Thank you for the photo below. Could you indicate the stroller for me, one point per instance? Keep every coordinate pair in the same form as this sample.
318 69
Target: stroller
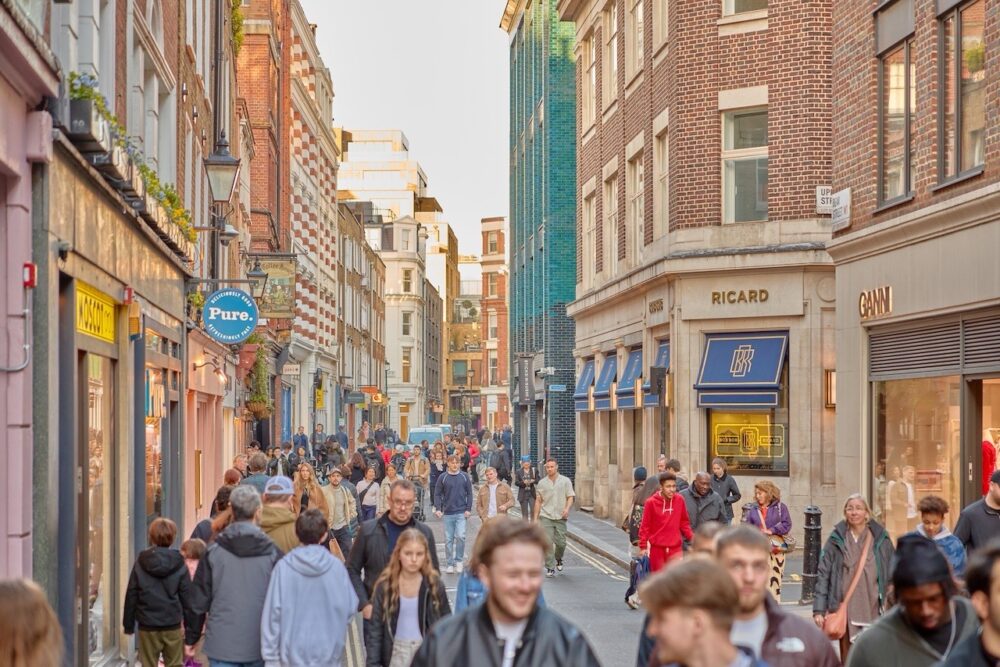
418 509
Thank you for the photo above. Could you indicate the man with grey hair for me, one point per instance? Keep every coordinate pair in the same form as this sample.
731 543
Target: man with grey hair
230 585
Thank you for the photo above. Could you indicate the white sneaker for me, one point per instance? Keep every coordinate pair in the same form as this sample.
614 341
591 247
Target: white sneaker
450 569
460 567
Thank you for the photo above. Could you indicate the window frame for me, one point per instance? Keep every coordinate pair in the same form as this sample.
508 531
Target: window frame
740 154
661 184
492 243
407 281
726 11
661 23
406 322
492 284
635 197
589 213
610 58
588 75
907 45
635 26
407 365
610 222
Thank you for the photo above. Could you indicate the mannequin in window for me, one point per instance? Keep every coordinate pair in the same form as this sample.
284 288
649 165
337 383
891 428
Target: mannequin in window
989 460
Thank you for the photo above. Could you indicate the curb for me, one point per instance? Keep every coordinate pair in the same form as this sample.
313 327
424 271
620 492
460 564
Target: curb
599 550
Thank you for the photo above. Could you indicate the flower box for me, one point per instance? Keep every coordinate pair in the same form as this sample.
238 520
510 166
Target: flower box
88 131
148 208
115 165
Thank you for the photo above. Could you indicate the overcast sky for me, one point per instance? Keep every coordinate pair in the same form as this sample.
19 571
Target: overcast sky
436 69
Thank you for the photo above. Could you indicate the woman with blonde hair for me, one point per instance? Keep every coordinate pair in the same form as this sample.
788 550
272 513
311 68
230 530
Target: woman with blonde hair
308 492
770 516
31 636
407 599
859 548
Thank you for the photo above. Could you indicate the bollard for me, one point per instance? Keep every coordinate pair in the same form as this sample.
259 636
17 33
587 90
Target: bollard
811 549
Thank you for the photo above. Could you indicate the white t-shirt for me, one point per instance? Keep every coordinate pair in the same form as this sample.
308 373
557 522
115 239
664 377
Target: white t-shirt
510 633
492 510
750 633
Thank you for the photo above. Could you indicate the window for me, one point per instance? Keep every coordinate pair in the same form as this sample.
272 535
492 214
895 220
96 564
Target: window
730 7
661 195
636 205
752 442
962 86
407 281
589 231
744 165
611 221
407 324
588 90
633 39
491 284
492 243
459 371
660 24
494 366
405 240
492 323
897 97
609 76
407 363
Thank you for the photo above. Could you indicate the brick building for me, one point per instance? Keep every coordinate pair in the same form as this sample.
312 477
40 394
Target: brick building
465 349
703 135
542 222
917 164
495 325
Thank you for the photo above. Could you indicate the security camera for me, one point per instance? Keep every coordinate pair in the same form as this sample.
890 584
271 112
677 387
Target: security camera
227 234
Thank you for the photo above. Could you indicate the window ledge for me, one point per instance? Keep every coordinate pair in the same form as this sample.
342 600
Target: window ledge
633 83
736 24
660 55
610 110
588 134
893 203
961 178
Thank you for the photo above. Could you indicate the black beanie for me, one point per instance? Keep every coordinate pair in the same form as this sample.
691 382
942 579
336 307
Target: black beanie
639 474
918 561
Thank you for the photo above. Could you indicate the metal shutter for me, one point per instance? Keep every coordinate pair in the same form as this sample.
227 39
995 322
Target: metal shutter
981 344
928 350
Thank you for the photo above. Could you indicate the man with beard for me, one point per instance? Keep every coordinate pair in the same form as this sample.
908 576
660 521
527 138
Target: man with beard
983 581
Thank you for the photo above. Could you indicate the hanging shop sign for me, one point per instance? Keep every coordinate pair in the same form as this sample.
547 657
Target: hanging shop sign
230 315
278 300
95 313
355 398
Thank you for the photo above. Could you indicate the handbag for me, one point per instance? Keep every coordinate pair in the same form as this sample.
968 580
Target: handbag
835 623
780 544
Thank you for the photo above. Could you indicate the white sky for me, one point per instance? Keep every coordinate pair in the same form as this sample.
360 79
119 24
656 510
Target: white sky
436 69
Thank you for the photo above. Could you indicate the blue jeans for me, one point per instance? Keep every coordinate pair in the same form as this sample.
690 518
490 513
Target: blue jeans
223 663
454 538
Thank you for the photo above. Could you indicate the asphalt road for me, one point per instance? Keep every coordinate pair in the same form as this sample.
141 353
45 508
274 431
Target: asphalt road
589 592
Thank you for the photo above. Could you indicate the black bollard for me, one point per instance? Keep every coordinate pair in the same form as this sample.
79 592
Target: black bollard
811 548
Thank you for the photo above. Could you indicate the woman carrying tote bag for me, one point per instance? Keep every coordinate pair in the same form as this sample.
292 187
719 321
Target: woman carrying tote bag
853 574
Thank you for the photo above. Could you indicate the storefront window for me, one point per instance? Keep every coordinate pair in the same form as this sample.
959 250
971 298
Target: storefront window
751 442
917 448
991 416
102 600
155 412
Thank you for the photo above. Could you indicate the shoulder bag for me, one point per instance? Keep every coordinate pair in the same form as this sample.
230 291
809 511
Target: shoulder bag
835 623
780 544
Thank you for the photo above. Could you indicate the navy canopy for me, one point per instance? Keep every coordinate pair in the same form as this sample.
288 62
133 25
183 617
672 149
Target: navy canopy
742 370
649 399
581 395
626 385
602 390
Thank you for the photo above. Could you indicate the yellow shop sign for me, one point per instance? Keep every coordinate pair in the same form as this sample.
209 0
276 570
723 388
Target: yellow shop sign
95 313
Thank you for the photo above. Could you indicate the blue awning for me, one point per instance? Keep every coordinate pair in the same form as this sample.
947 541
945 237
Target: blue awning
581 395
742 370
630 376
649 399
602 390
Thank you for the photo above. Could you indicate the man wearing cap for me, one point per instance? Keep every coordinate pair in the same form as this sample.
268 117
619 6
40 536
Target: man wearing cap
525 479
277 519
979 523
929 620
342 507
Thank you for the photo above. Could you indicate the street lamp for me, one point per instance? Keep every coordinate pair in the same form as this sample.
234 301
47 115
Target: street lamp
222 169
257 279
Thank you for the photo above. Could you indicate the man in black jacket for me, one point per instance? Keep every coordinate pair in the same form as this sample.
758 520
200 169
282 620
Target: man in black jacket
509 626
983 649
377 538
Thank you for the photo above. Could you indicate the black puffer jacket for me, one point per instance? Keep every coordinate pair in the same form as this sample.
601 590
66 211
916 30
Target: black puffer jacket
468 638
158 596
380 631
370 553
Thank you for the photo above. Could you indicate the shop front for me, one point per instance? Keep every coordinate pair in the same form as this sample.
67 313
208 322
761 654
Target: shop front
206 456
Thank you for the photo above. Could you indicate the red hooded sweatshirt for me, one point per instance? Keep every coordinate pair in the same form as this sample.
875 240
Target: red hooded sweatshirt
663 522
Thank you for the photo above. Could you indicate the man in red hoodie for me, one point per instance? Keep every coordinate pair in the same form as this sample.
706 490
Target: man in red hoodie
664 521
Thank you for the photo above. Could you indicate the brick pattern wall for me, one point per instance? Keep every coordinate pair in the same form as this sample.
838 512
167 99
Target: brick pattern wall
855 117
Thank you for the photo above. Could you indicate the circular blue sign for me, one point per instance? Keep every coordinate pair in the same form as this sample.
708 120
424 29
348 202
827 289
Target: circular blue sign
230 315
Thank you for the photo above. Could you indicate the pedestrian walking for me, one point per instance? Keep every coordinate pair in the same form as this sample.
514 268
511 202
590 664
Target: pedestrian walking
725 486
408 598
158 598
494 497
376 539
853 575
342 510
300 439
309 602
318 438
342 441
703 503
705 538
230 586
502 461
692 609
308 493
674 466
979 523
553 501
418 468
358 467
240 463
526 480
778 637
277 516
929 620
665 524
510 624
369 491
203 529
193 550
391 475
31 634
280 465
631 523
439 465
453 502
258 472
983 581
933 510
770 516
652 484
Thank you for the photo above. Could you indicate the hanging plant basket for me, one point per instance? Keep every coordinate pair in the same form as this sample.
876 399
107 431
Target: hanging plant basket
259 409
87 129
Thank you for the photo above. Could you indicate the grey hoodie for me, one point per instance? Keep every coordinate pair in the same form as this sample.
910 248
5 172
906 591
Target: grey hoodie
310 601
